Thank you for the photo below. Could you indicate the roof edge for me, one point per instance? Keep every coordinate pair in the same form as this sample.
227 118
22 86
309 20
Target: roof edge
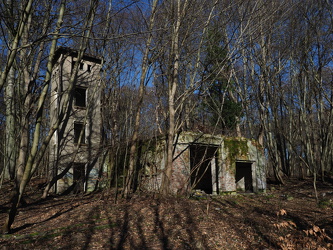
74 53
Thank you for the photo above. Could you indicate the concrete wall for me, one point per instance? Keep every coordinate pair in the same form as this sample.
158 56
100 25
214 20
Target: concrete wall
63 150
229 152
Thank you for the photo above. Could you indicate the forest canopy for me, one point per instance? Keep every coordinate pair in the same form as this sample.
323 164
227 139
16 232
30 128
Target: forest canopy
258 69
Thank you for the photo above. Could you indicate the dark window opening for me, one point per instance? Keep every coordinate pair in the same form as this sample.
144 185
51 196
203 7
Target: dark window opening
244 176
89 68
78 129
80 97
81 66
201 168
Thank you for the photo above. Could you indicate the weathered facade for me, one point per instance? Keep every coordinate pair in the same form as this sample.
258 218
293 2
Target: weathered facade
213 164
75 145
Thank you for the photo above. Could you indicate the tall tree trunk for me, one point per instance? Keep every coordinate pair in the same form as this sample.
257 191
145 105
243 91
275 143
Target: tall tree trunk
25 106
28 166
15 44
65 107
172 87
26 92
129 182
10 145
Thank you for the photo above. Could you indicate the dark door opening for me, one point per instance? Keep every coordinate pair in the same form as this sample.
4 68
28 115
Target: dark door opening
201 168
78 177
244 176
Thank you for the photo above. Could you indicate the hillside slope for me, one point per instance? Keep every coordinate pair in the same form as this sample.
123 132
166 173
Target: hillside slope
285 217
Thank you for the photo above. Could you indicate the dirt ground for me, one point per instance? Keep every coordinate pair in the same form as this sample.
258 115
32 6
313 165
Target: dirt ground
285 217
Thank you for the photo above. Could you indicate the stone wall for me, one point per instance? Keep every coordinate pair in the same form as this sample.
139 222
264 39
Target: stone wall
64 151
231 152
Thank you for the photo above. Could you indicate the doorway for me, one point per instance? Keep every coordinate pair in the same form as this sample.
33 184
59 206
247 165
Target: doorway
244 176
204 168
78 177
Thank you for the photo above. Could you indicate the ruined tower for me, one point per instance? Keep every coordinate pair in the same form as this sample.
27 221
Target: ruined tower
75 145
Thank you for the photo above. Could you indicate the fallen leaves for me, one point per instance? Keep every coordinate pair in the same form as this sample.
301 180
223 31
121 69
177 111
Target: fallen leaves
317 232
281 212
148 222
285 224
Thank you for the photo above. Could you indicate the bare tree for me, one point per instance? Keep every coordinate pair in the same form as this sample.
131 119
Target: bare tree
24 175
38 147
143 81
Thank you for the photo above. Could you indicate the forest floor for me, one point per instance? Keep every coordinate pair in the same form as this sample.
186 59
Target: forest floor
285 217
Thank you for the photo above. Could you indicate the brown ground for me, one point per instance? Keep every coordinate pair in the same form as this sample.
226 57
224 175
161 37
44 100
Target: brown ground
285 217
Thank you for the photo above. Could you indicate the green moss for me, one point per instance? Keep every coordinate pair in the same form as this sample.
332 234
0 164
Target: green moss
235 148
147 146
154 145
325 203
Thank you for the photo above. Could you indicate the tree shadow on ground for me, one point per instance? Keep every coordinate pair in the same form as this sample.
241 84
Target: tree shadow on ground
57 214
147 222
132 229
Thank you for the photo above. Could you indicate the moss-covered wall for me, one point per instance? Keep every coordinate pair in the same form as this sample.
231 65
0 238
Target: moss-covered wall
230 150
236 148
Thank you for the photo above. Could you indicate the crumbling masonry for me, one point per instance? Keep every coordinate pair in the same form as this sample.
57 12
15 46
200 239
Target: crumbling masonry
213 164
74 146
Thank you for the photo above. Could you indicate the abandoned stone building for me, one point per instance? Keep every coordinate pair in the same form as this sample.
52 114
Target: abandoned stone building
210 163
73 149
213 164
